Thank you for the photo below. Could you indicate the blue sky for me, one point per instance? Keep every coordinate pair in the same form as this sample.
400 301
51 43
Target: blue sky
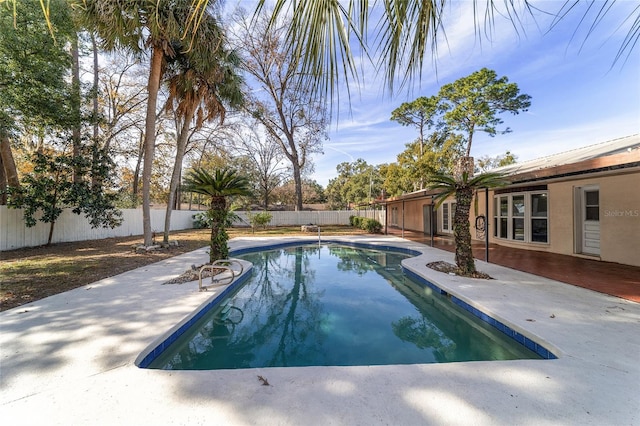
579 96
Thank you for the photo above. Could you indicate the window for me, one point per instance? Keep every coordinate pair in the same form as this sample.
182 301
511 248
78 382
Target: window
517 217
592 205
521 217
539 219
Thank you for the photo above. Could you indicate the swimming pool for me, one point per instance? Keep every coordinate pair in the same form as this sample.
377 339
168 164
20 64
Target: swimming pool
311 305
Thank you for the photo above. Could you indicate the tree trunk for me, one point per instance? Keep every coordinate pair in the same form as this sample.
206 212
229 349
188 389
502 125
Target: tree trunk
464 164
462 231
177 169
265 201
54 203
3 184
149 141
136 172
96 74
8 163
297 178
76 133
95 180
218 247
50 238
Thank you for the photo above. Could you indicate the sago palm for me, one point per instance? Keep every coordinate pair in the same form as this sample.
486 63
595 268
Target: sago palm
219 185
463 189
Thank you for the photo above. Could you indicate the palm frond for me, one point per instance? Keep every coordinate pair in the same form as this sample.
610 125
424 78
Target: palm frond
488 180
320 36
444 184
407 30
223 182
447 185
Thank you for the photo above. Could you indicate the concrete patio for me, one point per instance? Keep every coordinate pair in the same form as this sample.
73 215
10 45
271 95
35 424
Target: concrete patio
69 359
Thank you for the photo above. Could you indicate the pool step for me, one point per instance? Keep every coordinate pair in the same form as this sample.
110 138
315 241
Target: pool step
224 312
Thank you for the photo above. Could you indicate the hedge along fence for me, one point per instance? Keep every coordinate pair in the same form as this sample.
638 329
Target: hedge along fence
320 217
14 234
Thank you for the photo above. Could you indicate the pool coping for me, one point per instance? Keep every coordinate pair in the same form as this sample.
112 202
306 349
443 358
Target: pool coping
69 359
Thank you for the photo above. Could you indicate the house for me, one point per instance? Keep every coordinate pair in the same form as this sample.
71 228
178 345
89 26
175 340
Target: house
584 202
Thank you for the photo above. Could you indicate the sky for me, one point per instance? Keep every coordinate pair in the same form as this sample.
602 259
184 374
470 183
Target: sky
579 95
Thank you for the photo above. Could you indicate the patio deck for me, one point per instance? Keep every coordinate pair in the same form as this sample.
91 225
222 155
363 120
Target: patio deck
604 277
69 359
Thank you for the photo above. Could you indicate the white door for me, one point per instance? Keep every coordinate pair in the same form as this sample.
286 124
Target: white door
591 220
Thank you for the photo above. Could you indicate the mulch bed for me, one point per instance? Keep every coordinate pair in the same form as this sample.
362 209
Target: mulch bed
451 269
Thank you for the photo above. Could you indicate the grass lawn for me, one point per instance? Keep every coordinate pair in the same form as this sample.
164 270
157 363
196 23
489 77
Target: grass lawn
34 273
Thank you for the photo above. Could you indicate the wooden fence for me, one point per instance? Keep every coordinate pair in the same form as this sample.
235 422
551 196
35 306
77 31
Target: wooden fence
14 234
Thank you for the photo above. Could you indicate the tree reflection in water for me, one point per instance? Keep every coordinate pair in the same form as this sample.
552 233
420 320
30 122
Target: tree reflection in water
332 305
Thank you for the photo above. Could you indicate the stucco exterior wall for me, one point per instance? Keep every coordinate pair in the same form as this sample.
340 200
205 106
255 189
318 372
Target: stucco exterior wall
619 217
413 220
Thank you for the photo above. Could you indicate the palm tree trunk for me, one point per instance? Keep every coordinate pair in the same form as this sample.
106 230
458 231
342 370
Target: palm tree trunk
462 232
177 169
149 141
218 247
136 172
464 165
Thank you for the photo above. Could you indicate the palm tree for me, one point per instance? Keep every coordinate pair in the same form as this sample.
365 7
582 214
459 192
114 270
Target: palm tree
157 26
463 189
221 184
200 83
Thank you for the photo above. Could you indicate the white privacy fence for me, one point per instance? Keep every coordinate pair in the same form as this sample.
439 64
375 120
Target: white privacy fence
14 233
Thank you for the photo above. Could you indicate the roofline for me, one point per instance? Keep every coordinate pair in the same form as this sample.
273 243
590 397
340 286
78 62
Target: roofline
619 161
627 162
410 196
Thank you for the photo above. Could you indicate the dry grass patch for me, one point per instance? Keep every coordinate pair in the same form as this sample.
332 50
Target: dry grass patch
31 274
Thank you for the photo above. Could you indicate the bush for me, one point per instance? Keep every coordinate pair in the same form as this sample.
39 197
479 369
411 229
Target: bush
356 221
372 226
261 219
201 221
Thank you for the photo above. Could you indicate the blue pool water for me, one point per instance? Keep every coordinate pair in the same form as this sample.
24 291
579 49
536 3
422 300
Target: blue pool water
334 305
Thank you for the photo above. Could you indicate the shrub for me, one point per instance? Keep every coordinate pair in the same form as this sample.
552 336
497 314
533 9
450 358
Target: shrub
201 220
372 226
261 219
356 221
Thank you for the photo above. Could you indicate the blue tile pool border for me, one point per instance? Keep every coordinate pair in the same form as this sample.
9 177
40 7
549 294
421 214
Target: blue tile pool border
510 332
159 349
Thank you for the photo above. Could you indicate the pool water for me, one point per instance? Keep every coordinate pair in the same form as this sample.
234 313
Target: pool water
334 305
